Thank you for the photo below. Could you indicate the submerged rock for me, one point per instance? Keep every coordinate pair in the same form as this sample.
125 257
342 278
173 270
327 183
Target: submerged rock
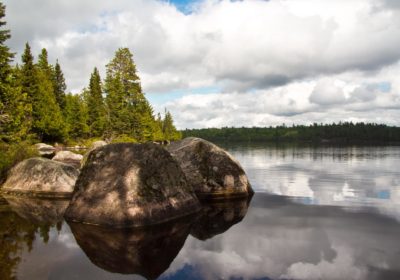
147 251
129 185
212 171
41 177
38 211
217 217
69 158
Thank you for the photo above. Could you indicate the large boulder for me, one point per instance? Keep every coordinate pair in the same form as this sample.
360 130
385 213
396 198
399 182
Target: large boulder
129 185
69 158
41 177
212 171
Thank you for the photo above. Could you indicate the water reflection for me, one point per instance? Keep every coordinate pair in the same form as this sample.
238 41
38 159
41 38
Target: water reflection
281 239
343 176
38 211
218 216
148 251
332 214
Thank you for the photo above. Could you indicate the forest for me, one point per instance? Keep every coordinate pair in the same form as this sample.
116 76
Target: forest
35 107
341 133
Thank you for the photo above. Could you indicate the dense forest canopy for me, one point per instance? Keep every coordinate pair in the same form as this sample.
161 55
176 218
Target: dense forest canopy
347 132
35 106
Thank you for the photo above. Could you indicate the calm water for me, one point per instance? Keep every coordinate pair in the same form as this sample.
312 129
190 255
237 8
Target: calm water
318 213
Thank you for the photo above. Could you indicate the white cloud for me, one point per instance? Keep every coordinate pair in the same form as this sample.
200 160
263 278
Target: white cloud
264 55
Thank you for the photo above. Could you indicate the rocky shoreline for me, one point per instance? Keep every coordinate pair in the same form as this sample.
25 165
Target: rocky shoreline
128 185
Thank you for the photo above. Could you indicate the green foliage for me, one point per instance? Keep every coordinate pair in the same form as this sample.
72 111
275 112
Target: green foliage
59 86
11 154
96 106
128 110
168 128
76 116
34 105
123 138
317 133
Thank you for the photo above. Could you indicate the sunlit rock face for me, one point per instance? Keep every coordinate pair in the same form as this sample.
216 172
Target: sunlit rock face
129 185
41 177
38 211
146 251
69 158
211 171
217 217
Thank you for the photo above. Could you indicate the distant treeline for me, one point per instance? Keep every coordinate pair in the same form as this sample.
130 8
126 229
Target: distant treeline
346 132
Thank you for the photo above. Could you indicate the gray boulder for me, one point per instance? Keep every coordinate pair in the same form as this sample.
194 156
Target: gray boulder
210 170
69 158
129 185
41 177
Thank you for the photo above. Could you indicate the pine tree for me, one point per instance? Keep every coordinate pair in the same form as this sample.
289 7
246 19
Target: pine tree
169 130
13 105
128 110
95 104
59 86
76 116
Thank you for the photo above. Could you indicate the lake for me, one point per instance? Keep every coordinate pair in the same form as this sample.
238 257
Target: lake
318 213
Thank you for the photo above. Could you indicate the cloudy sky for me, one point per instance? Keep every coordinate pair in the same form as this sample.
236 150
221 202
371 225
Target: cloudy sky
216 63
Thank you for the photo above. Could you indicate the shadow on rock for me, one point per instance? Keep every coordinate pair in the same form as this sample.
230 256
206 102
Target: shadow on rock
147 251
38 211
217 217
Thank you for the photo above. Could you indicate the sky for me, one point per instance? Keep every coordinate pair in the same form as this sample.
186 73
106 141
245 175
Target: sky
216 63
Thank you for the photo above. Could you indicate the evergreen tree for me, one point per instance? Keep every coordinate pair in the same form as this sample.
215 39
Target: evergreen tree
59 86
169 130
95 104
128 110
13 105
76 116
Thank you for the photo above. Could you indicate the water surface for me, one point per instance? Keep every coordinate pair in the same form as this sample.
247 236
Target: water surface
318 213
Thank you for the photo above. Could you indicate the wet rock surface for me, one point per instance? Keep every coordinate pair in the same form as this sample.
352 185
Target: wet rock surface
212 171
38 211
147 251
68 157
41 177
216 217
130 185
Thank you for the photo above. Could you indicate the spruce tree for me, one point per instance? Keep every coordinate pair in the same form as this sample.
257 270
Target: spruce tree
76 116
169 130
13 105
96 107
127 108
59 86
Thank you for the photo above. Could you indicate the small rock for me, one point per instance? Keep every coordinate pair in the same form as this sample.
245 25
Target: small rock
45 150
69 158
41 177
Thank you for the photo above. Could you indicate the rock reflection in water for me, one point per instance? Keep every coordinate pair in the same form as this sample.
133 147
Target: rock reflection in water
146 251
217 217
38 211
